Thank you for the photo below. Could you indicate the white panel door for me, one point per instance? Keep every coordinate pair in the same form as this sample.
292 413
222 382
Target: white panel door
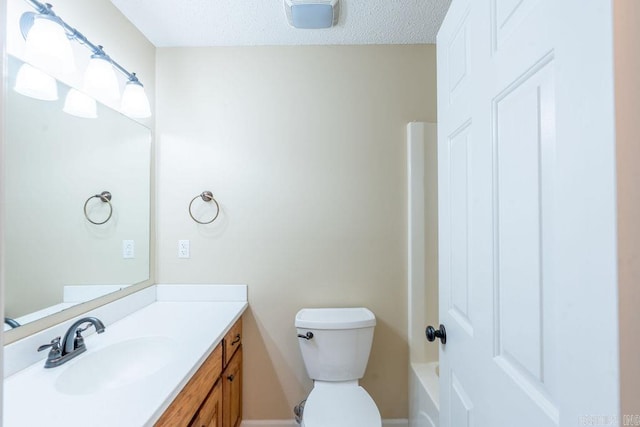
526 174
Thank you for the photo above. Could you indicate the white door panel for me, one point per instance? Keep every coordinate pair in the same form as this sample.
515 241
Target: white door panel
527 213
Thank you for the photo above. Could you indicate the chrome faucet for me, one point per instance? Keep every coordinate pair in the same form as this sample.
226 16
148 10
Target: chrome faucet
72 344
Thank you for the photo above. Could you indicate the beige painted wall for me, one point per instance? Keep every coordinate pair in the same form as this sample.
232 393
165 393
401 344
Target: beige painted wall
304 148
627 92
102 23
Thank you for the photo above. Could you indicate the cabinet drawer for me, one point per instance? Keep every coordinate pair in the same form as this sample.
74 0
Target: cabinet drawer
185 405
232 341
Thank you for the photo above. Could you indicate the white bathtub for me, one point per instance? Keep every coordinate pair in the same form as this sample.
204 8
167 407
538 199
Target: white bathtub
424 404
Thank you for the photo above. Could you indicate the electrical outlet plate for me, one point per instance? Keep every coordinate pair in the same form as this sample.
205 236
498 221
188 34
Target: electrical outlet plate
183 249
128 249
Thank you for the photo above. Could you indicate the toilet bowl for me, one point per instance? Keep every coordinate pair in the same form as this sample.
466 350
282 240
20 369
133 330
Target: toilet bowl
335 344
340 405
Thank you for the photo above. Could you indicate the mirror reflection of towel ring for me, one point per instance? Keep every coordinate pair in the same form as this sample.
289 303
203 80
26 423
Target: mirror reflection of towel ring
207 196
105 197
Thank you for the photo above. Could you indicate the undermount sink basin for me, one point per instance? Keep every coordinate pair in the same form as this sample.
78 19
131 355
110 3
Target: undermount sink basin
116 365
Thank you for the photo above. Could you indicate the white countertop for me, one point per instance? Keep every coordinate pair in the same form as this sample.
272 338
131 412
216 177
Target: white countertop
31 397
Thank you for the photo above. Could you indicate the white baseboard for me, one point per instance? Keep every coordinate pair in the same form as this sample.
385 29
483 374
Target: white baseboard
292 423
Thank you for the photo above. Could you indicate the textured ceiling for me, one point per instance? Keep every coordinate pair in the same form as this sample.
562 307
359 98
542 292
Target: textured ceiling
263 22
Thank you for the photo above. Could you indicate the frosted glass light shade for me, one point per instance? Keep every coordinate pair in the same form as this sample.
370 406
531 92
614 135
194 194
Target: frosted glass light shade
80 105
100 80
312 14
47 46
135 102
36 84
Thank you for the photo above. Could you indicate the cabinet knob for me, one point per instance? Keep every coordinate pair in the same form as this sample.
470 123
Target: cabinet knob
230 377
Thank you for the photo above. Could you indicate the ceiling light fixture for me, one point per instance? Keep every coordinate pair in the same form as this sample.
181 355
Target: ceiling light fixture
311 14
44 25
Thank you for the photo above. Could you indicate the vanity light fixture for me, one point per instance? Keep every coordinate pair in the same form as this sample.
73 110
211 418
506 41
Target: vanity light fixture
100 80
80 105
44 25
134 101
35 83
46 43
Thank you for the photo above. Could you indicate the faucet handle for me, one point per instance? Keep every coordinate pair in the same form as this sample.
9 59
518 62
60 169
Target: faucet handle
78 341
83 329
55 346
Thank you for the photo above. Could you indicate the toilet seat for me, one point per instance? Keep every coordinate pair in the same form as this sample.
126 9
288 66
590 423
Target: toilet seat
340 405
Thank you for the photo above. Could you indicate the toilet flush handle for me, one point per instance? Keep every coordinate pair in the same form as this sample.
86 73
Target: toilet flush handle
306 336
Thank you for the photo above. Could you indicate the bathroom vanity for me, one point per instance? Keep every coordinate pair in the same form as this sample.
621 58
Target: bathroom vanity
171 355
213 396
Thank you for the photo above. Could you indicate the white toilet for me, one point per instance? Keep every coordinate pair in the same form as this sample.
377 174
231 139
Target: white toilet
335 345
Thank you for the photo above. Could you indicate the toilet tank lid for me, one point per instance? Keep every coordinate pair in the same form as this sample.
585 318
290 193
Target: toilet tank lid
335 318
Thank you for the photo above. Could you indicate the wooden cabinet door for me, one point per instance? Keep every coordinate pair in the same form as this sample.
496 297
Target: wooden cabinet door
210 413
186 404
232 391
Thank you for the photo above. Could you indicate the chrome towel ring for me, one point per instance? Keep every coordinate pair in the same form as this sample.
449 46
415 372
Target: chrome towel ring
206 196
105 197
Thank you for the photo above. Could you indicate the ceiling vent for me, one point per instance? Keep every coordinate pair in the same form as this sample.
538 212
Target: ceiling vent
312 14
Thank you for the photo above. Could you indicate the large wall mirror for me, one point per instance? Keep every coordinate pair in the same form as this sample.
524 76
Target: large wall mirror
64 243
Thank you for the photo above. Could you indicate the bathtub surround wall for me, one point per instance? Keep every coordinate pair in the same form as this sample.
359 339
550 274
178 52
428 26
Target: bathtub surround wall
422 284
102 23
424 395
304 149
422 238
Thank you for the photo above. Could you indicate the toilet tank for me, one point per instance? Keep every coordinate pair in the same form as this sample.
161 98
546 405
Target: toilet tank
341 343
